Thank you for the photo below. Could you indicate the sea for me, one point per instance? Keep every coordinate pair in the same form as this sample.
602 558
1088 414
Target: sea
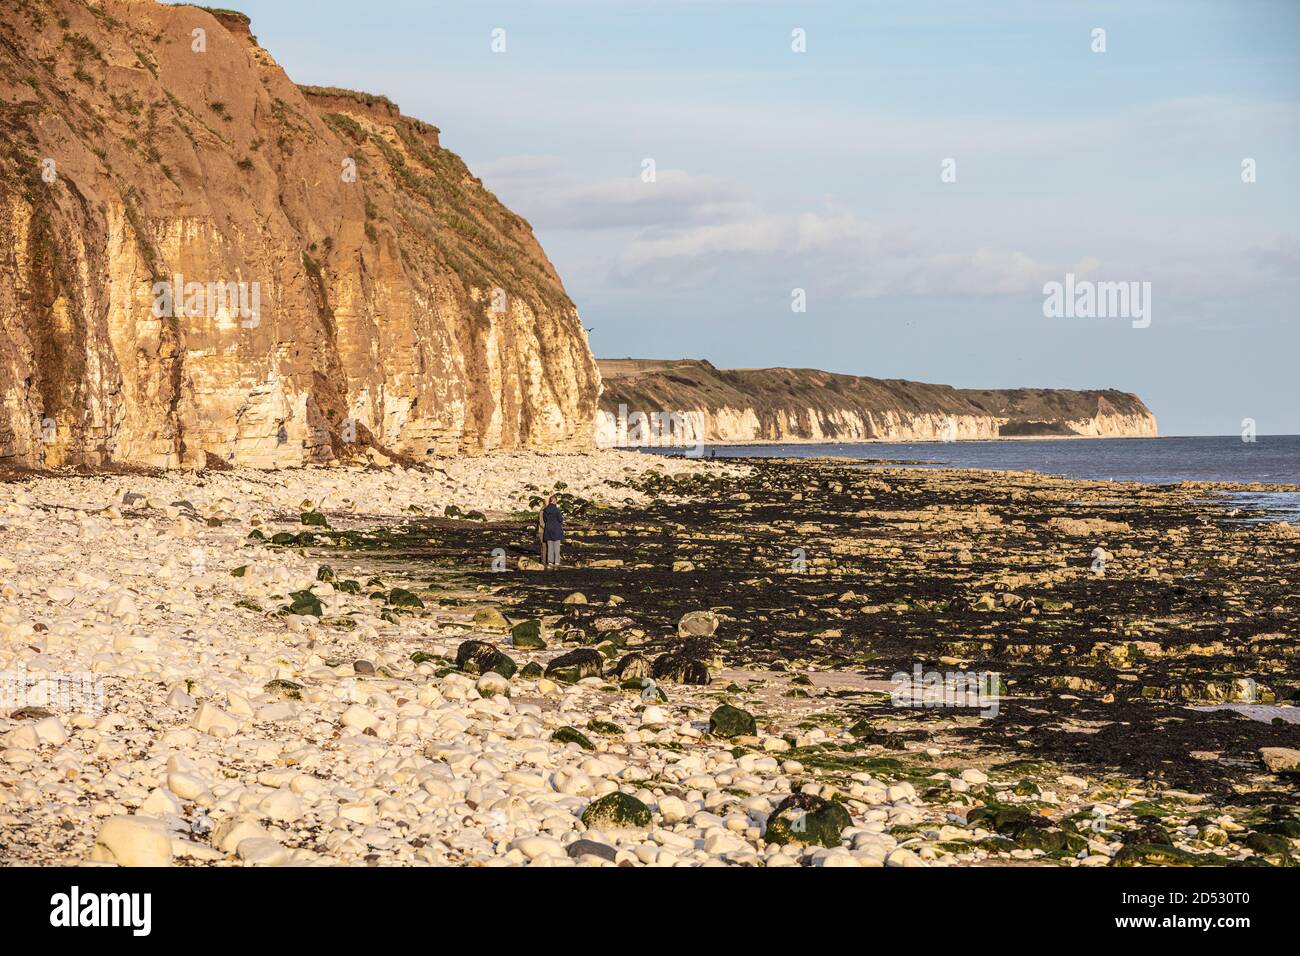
1269 459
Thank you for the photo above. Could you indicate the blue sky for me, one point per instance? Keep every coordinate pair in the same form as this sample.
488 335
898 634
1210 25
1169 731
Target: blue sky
820 170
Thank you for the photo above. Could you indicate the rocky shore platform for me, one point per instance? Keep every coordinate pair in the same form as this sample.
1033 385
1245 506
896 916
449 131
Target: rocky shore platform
763 663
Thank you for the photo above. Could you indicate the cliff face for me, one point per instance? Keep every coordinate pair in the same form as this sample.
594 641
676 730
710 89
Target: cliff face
203 260
697 402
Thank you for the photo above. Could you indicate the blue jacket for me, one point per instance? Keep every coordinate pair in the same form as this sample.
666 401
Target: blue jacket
553 523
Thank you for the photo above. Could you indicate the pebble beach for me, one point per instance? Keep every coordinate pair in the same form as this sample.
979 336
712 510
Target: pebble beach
194 677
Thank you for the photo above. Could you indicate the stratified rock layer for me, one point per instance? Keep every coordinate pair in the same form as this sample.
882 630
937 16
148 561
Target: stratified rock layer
400 306
698 402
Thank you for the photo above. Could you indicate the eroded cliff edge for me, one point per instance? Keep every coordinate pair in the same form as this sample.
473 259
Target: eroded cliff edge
400 305
794 405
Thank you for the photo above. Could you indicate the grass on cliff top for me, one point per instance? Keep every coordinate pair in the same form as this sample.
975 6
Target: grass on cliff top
365 99
218 11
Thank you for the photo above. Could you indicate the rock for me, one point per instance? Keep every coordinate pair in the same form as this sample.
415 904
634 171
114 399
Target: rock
1270 845
491 684
479 657
680 668
903 857
571 735
262 851
287 689
697 624
683 566
180 700
185 785
1278 759
528 634
538 847
359 718
616 811
672 809
30 713
807 820
575 665
490 619
581 848
161 803
230 832
653 717
728 721
577 597
211 719
133 841
124 609
1153 854
283 806
400 597
632 667
50 732
358 811
363 668
304 604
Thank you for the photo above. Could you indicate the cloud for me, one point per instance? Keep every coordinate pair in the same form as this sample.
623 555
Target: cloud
1281 260
552 198
834 249
699 244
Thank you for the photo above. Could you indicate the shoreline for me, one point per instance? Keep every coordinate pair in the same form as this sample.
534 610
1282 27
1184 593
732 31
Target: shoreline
763 442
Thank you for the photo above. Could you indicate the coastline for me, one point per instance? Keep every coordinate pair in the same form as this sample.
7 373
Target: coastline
746 443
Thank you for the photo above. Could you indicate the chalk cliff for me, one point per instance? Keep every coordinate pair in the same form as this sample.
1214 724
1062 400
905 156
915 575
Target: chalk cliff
202 262
697 402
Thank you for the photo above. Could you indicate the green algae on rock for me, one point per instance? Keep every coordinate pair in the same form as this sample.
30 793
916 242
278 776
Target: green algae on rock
528 634
616 811
575 665
807 820
728 721
479 657
571 735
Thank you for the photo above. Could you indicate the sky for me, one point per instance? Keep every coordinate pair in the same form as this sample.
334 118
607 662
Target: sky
920 170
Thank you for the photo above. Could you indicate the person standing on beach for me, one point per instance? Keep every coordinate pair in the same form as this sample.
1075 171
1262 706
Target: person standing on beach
552 532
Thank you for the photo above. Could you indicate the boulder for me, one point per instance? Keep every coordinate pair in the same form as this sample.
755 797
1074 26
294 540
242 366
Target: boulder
616 811
133 841
698 624
575 665
479 657
528 634
807 820
680 668
1278 759
633 666
490 619
728 721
